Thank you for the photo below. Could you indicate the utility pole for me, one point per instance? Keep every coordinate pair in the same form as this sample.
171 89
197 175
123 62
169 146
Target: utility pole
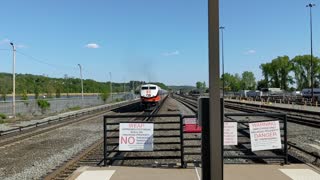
311 50
13 81
81 81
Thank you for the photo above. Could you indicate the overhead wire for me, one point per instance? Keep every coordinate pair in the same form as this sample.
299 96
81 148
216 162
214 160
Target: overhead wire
57 67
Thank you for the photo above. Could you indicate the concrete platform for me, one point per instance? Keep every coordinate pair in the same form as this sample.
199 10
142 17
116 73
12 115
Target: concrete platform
271 172
231 172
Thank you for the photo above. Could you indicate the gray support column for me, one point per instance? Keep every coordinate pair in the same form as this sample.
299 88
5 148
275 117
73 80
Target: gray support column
216 146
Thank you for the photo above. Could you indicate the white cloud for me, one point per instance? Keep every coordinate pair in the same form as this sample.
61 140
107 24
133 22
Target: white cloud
92 46
173 53
251 51
21 46
5 41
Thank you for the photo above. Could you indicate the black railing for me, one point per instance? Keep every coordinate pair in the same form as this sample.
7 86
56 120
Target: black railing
111 135
166 126
243 133
282 118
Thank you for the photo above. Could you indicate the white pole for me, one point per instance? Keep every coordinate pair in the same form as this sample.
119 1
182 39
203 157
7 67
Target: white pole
81 81
13 81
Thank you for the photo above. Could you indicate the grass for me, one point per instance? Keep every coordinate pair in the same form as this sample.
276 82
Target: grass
118 100
75 108
3 116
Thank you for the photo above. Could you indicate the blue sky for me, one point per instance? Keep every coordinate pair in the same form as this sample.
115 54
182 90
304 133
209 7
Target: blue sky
150 40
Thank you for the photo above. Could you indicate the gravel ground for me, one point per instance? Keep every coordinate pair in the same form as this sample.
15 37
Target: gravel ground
296 133
33 158
169 107
307 138
172 106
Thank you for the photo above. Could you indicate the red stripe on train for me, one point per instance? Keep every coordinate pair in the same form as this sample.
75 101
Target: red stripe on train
153 99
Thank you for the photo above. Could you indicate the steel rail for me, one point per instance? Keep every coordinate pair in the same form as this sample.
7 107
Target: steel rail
70 166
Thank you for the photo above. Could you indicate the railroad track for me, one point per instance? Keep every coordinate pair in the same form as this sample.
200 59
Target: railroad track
191 104
88 157
292 118
299 101
304 119
235 153
15 137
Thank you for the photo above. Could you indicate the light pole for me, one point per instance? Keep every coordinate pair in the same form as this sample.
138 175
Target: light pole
222 59
13 81
311 50
111 85
81 81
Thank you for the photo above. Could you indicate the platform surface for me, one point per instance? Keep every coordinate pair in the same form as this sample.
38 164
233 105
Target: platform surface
231 172
282 105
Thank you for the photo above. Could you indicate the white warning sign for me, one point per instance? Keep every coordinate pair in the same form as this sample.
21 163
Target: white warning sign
265 135
190 121
136 137
230 136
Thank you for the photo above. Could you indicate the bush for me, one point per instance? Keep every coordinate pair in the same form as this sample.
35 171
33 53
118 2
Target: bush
24 97
118 100
43 104
74 108
3 116
104 96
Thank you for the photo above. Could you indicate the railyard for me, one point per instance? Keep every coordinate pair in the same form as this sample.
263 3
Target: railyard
56 150
110 90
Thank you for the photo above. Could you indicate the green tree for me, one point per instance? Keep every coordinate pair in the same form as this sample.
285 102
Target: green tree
281 67
5 88
277 72
231 82
204 86
301 66
43 105
24 95
199 85
40 84
262 84
104 96
267 73
248 81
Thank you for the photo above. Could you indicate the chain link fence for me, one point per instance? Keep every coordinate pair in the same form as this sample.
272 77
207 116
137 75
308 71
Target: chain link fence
30 107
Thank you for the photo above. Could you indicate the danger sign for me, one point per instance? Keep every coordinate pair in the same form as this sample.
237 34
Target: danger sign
136 137
265 135
230 136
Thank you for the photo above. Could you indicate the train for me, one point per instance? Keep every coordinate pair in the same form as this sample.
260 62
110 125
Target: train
151 96
306 93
